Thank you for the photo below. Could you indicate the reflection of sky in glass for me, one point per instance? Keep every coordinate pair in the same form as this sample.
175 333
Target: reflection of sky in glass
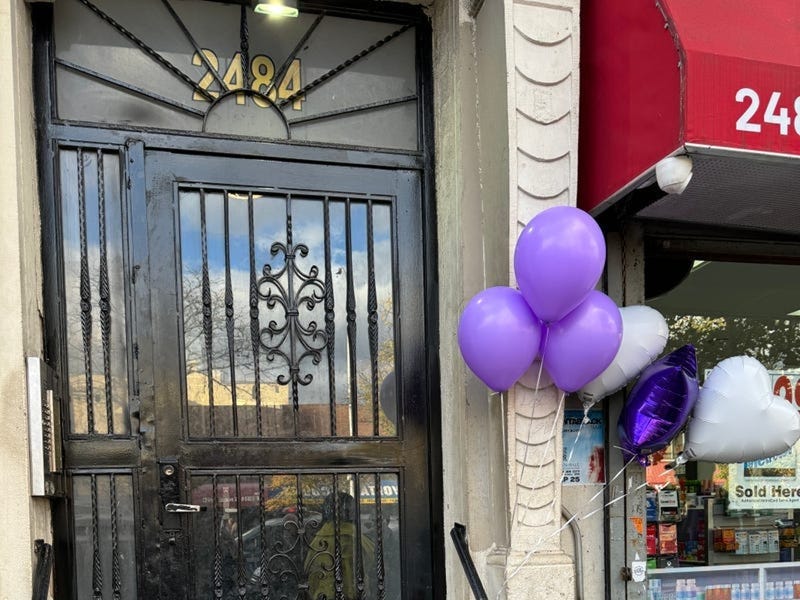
270 226
106 378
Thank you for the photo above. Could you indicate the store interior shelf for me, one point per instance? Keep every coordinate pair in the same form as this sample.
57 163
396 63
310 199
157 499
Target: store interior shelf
664 583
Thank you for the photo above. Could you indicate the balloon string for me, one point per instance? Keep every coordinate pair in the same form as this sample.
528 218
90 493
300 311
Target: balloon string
530 428
576 516
540 468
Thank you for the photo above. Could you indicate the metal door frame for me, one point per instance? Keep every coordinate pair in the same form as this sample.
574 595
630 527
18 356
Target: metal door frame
317 454
51 133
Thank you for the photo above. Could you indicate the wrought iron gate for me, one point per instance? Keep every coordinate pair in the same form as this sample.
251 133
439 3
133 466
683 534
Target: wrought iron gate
241 333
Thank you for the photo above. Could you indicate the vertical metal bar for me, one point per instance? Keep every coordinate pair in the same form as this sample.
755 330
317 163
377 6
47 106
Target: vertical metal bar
380 572
240 573
372 311
337 543
301 520
358 559
97 566
207 331
191 566
625 285
229 313
330 317
262 529
44 566
631 266
351 323
135 252
255 335
217 550
105 293
86 294
116 579
244 39
291 315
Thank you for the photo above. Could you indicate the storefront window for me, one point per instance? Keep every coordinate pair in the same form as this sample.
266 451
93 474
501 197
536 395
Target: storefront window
705 520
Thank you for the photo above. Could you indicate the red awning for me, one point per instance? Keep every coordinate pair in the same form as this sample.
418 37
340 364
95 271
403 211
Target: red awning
716 79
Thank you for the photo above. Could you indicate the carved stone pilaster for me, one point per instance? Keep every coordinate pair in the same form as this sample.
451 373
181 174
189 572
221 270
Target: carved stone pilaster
543 46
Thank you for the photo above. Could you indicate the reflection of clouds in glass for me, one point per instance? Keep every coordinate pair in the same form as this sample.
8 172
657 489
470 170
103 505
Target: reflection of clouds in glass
318 391
107 343
308 229
269 222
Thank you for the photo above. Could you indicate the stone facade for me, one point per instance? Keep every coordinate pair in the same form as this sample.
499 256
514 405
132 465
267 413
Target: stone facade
506 149
506 97
23 519
544 48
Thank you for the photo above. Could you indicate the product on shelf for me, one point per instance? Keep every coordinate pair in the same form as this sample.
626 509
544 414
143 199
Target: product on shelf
667 538
668 508
652 539
651 505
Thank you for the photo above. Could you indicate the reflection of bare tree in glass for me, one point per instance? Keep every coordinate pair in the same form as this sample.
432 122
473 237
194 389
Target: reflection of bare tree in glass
96 342
387 415
194 333
231 388
773 342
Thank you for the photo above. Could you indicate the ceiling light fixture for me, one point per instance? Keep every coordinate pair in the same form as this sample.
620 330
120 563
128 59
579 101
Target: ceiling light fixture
277 8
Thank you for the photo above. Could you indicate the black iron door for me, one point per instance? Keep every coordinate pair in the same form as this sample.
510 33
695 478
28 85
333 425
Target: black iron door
284 427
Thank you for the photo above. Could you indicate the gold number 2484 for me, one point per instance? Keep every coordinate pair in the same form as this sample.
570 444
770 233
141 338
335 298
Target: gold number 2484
262 70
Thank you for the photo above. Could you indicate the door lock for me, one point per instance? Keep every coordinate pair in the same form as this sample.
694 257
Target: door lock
173 507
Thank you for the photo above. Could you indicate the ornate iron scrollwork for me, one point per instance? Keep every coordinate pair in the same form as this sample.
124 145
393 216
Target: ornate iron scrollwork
288 337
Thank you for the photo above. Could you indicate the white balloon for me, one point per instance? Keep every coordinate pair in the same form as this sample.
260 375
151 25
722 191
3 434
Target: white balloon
644 337
737 418
536 377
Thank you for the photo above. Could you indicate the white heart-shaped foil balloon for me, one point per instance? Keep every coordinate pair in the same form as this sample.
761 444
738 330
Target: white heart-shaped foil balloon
737 418
644 337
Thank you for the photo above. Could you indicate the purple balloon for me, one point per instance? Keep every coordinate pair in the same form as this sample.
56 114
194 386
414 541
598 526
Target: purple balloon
580 346
558 260
499 336
659 404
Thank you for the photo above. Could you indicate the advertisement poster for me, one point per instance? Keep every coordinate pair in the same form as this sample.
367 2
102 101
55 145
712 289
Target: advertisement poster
584 452
772 482
765 484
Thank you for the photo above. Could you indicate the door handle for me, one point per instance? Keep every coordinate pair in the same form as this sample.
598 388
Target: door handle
173 507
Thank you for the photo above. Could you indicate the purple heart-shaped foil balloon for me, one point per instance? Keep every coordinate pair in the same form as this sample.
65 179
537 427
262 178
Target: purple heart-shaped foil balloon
659 404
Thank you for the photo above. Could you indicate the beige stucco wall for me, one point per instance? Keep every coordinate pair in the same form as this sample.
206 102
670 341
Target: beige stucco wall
470 83
22 518
506 110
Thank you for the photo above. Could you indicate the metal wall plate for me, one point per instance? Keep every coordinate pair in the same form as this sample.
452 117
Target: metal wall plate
44 429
